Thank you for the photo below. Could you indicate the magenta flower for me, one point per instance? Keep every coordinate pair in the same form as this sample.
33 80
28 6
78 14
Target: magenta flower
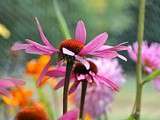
71 115
150 58
93 76
6 83
98 98
74 47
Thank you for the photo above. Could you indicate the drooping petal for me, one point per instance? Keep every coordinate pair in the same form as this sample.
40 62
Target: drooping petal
108 53
19 46
119 47
80 33
33 50
59 84
107 82
10 82
105 54
41 47
74 87
58 72
96 43
42 35
43 73
71 115
4 92
6 83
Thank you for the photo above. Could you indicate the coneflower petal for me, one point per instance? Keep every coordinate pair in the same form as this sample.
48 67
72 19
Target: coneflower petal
96 43
80 32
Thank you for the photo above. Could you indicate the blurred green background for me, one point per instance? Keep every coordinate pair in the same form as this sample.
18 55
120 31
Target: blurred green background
117 17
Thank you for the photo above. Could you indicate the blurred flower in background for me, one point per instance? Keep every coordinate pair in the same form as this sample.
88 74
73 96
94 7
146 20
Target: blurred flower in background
150 58
6 84
35 111
4 32
20 97
34 68
99 98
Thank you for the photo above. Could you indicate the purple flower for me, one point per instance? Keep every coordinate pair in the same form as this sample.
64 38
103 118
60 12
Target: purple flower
150 58
99 98
6 83
71 115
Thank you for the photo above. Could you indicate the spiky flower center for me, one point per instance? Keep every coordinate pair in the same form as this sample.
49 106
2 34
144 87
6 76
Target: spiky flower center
72 45
81 69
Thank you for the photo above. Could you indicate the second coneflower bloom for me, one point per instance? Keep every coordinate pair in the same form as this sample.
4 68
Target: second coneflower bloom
80 73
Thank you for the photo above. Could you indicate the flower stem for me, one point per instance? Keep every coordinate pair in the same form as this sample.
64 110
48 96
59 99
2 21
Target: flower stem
83 95
61 20
151 76
45 102
66 84
140 35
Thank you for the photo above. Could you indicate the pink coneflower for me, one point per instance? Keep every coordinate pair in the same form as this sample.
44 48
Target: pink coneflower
80 73
98 98
150 58
7 83
70 115
74 47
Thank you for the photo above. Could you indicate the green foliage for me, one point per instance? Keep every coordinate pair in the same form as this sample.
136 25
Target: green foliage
99 15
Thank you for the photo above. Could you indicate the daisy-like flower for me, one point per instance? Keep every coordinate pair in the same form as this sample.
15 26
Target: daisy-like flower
33 112
7 83
98 98
70 115
93 75
150 58
74 47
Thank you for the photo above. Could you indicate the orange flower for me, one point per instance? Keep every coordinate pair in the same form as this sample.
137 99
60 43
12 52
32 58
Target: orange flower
32 112
20 97
71 98
35 67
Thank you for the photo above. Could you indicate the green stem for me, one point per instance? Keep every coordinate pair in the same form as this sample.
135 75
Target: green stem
106 116
5 112
46 103
140 35
56 103
83 95
61 20
66 84
151 76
